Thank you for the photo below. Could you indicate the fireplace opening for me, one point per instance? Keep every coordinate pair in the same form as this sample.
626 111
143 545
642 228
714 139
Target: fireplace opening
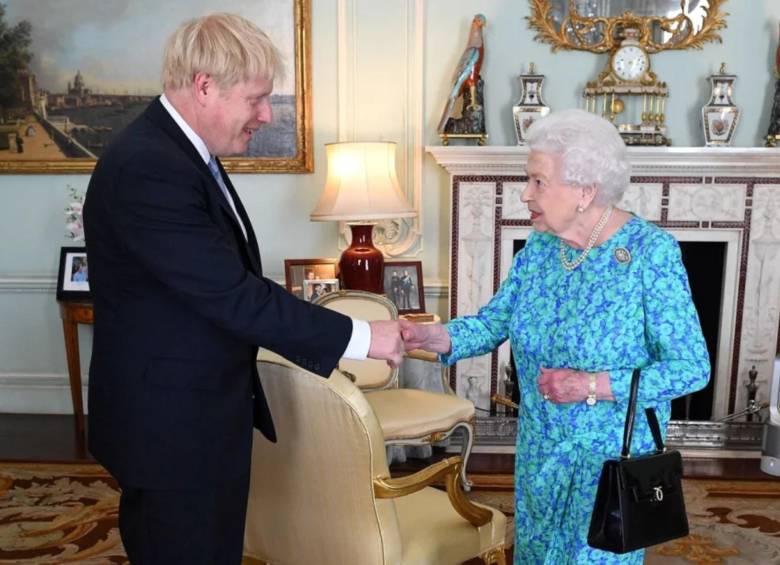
704 261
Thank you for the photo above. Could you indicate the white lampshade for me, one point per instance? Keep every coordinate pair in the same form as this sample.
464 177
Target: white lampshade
362 184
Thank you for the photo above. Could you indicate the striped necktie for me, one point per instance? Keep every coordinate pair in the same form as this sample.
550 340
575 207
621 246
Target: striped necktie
215 172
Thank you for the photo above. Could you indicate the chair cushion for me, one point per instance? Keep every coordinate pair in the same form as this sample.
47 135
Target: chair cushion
433 532
412 413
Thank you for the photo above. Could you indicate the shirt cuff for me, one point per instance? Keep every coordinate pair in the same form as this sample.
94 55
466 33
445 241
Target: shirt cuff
359 343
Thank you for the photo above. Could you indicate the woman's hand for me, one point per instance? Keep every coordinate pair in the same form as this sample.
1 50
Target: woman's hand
429 337
569 385
563 385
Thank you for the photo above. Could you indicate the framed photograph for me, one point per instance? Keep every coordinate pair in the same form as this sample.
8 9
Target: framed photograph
83 70
296 271
315 288
404 286
73 274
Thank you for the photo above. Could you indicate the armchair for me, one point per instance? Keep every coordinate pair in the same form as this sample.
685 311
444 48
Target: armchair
407 416
323 493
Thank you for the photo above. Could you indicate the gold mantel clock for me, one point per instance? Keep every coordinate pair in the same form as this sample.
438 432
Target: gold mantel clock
627 91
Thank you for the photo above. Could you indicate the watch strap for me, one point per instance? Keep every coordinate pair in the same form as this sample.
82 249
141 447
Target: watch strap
591 399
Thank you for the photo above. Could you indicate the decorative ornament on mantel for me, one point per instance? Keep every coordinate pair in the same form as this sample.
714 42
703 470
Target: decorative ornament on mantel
530 107
720 115
467 92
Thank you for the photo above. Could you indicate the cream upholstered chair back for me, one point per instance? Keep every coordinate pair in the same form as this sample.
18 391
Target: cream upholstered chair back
311 497
370 374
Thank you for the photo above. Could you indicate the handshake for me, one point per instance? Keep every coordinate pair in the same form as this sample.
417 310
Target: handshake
390 340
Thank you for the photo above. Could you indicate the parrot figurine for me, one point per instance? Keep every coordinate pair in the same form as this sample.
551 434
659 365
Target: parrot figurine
467 72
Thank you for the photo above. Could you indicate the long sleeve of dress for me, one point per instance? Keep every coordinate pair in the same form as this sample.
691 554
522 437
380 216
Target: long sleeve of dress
489 327
679 362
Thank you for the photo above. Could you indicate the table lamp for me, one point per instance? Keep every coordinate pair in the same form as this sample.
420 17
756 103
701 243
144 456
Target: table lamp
361 188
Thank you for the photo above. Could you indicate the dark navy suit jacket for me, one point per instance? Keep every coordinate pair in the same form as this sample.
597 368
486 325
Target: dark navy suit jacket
181 306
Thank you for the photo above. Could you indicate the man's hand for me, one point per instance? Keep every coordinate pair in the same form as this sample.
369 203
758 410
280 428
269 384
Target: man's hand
386 342
429 337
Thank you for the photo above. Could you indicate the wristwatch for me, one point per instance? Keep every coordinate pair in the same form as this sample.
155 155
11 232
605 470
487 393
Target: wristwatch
591 400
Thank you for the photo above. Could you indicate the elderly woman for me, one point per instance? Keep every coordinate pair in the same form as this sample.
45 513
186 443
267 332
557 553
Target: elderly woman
595 293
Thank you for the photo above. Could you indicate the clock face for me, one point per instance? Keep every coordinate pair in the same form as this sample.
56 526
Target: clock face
629 63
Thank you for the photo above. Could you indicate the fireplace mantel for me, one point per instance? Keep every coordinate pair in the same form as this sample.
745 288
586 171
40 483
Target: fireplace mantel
510 160
729 195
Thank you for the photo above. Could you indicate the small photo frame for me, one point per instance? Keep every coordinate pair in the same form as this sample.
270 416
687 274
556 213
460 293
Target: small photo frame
296 271
317 288
404 286
73 274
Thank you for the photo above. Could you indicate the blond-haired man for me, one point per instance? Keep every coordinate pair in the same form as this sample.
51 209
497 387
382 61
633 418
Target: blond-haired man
181 304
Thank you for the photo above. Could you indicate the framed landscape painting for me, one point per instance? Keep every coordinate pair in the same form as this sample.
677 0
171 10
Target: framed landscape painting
78 72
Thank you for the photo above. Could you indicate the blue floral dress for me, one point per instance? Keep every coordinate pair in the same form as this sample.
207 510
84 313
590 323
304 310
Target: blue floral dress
627 305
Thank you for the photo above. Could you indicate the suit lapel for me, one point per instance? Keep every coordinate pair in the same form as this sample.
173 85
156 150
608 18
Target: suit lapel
251 240
157 114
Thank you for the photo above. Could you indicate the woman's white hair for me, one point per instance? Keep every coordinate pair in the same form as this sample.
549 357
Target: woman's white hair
591 150
228 47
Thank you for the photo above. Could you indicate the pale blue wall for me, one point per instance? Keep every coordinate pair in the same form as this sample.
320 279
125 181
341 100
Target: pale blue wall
748 50
31 229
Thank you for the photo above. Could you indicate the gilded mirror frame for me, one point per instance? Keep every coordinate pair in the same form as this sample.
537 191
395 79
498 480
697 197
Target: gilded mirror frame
574 28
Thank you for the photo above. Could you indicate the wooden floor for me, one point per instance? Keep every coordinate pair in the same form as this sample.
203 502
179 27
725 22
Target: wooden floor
35 437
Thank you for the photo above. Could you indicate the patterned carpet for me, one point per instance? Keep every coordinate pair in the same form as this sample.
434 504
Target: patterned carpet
66 513
58 513
731 522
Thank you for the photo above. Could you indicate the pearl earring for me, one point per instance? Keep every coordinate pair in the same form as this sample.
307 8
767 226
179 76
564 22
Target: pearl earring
580 209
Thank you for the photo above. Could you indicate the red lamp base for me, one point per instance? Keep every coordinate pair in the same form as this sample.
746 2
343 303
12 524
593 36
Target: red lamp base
362 265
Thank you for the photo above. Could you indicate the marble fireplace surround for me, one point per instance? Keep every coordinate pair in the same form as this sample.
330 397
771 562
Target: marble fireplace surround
729 195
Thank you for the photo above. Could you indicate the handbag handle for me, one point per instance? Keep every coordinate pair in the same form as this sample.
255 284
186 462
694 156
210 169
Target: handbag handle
628 428
655 429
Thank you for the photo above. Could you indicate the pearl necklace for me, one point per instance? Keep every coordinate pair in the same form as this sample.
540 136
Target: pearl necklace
594 235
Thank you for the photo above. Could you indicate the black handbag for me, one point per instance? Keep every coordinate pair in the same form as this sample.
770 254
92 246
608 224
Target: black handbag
639 501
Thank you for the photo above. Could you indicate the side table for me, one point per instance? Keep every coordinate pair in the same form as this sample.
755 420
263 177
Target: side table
72 314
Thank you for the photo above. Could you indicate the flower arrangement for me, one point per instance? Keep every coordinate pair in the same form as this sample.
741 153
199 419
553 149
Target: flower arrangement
73 222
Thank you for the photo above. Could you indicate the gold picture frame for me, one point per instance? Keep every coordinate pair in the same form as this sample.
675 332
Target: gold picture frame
18 132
